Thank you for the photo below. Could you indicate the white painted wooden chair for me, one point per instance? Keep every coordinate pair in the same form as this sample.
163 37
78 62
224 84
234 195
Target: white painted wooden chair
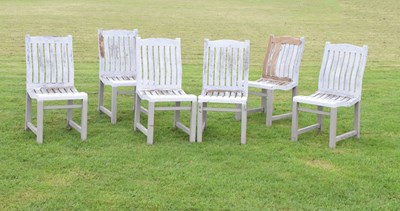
340 84
225 80
280 72
159 71
50 77
117 66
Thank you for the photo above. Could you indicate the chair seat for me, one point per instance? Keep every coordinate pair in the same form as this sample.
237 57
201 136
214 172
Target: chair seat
165 95
118 80
56 93
273 83
223 96
327 100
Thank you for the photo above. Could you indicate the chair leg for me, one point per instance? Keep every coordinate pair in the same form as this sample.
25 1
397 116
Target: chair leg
84 119
204 116
137 111
69 113
192 136
295 121
134 97
270 107
150 123
264 100
200 122
28 111
114 105
237 114
39 134
177 114
357 117
320 119
101 95
244 123
332 128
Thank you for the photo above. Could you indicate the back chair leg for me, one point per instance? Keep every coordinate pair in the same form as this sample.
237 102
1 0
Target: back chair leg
114 105
84 119
205 116
39 134
137 111
264 100
295 117
150 123
177 114
200 122
332 128
270 107
101 95
320 119
357 116
69 113
244 123
28 111
193 110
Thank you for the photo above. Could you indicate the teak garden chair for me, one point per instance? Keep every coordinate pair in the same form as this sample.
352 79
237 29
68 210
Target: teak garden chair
159 71
340 84
50 77
280 72
225 80
117 66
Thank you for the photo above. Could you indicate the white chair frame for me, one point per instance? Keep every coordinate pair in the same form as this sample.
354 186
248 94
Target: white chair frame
117 66
50 77
159 71
340 85
225 80
280 72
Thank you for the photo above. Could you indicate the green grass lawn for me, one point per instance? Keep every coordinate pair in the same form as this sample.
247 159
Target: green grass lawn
115 169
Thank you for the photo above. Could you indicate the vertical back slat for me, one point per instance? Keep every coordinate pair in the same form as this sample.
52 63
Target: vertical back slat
35 62
113 51
41 62
217 67
70 62
173 66
122 54
223 68
354 73
65 62
211 67
240 69
145 78
229 67
234 67
47 58
349 70
205 63
339 69
156 66
150 58
168 65
59 63
127 55
53 66
162 65
117 55
28 55
344 71
107 65
178 64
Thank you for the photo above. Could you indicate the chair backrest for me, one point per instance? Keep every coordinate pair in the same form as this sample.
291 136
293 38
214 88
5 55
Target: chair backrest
117 52
158 63
49 61
342 69
226 65
283 58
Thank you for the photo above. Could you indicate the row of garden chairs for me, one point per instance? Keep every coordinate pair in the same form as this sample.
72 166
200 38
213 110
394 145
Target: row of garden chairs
153 66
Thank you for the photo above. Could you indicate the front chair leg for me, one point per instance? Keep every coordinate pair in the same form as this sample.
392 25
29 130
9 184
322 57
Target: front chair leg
138 106
39 134
295 118
177 114
84 119
193 110
200 122
332 128
150 123
69 113
357 117
114 96
244 123
28 111
320 118
270 107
